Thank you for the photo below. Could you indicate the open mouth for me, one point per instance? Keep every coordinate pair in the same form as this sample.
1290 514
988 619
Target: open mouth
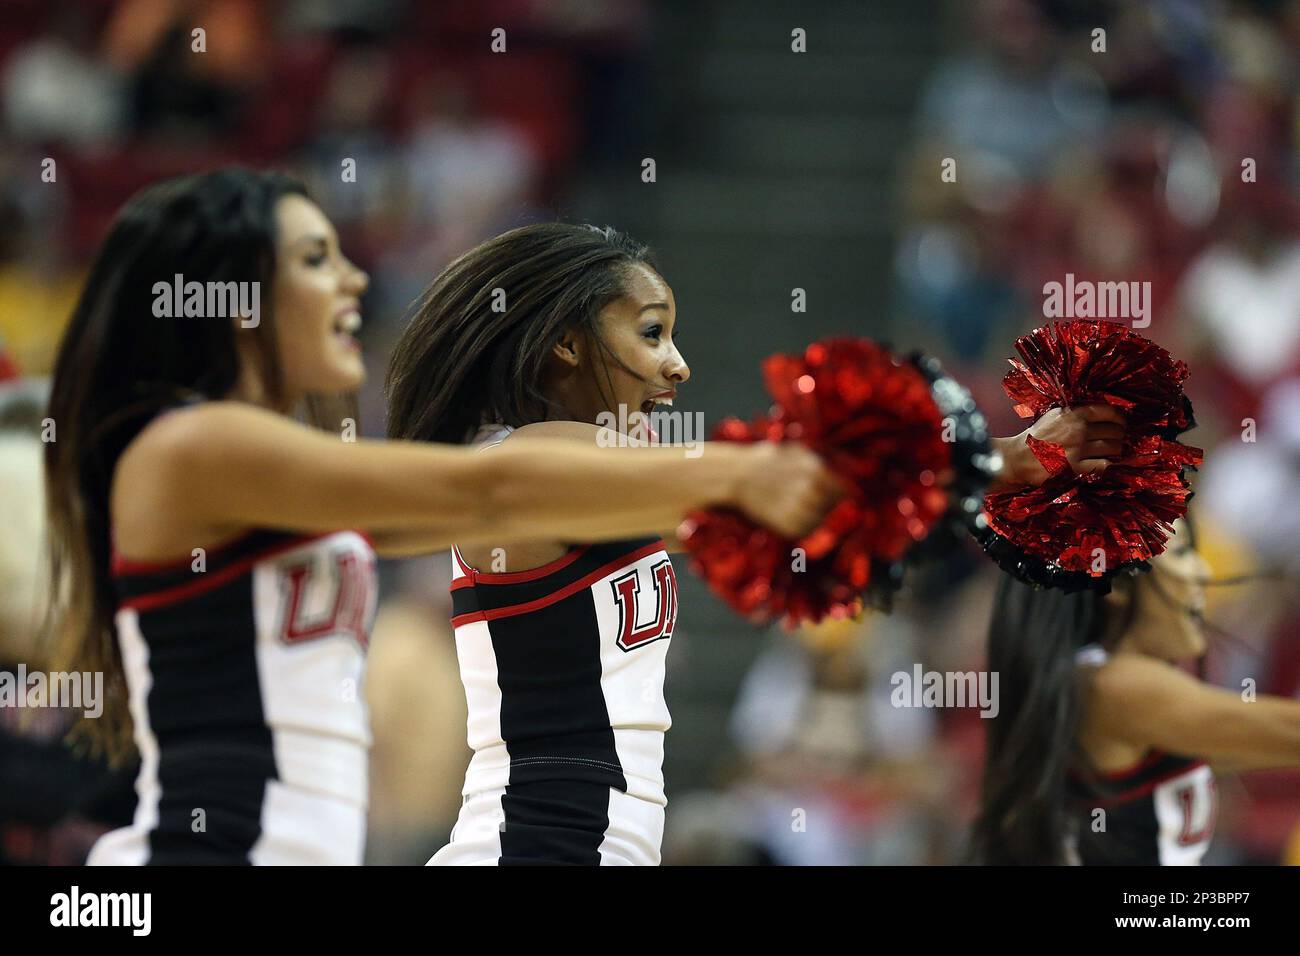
346 326
649 404
647 409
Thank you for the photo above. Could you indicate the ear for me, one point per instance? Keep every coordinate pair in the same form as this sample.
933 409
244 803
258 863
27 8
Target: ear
568 350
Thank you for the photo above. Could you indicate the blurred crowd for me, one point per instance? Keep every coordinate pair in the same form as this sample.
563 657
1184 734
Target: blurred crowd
1162 149
415 134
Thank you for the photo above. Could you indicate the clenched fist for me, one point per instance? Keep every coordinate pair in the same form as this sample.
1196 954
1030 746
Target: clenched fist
1092 435
787 488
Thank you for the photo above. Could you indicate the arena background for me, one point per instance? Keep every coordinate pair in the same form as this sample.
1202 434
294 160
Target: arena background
774 170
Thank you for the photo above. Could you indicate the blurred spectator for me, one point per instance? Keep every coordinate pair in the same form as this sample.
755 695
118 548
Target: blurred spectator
349 130
1241 297
38 285
56 90
1011 102
468 172
187 83
1253 487
53 804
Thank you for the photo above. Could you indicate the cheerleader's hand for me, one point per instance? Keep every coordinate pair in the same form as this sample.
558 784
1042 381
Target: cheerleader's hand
787 488
1092 436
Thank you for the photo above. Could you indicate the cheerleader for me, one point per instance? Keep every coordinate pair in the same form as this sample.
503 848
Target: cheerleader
1102 748
214 558
552 331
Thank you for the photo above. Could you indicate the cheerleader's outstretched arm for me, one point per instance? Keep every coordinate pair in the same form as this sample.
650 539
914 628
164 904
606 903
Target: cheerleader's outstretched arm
1150 703
220 467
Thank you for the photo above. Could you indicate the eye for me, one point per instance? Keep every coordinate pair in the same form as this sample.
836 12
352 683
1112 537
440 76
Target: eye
315 258
654 332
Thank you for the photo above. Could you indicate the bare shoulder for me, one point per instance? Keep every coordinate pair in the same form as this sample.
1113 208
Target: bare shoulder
150 498
525 555
1127 694
204 425
1128 676
582 431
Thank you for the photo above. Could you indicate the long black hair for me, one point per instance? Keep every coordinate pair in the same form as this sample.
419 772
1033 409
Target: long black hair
1032 743
119 365
477 346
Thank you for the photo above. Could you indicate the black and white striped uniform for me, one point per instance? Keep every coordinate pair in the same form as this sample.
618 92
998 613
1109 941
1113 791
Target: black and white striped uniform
563 668
1159 812
245 678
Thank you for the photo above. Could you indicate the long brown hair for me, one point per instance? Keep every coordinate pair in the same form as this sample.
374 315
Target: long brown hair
1031 745
464 360
119 365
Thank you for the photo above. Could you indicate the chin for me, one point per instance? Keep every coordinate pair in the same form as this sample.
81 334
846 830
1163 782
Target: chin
355 381
336 383
347 376
1191 647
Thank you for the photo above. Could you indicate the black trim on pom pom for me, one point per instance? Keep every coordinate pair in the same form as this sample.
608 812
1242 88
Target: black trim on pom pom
1042 574
1172 432
974 463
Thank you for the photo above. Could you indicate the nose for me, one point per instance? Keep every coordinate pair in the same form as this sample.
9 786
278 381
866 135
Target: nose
678 371
356 281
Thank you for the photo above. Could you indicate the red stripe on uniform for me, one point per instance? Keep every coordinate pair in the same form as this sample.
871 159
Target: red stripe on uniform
1130 795
521 577
586 581
207 582
121 565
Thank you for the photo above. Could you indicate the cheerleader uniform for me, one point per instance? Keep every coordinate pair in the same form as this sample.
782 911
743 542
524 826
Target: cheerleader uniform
563 669
1158 812
244 673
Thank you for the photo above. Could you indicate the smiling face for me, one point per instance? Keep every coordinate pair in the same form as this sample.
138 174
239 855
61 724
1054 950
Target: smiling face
645 366
1171 602
316 305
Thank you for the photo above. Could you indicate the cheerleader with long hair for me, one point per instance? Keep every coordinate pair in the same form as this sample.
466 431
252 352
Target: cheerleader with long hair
558 331
214 557
1102 749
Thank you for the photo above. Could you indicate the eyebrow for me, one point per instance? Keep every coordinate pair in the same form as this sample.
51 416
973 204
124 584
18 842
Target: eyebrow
312 240
652 305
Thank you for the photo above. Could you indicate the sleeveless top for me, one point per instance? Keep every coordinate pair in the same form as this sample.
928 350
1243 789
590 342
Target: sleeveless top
563 665
244 667
1158 812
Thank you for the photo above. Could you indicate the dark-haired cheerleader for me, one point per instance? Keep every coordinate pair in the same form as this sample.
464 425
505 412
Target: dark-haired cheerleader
1102 748
562 645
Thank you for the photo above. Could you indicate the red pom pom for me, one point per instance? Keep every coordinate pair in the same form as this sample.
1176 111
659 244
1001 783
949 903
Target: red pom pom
1095 525
875 423
1093 362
